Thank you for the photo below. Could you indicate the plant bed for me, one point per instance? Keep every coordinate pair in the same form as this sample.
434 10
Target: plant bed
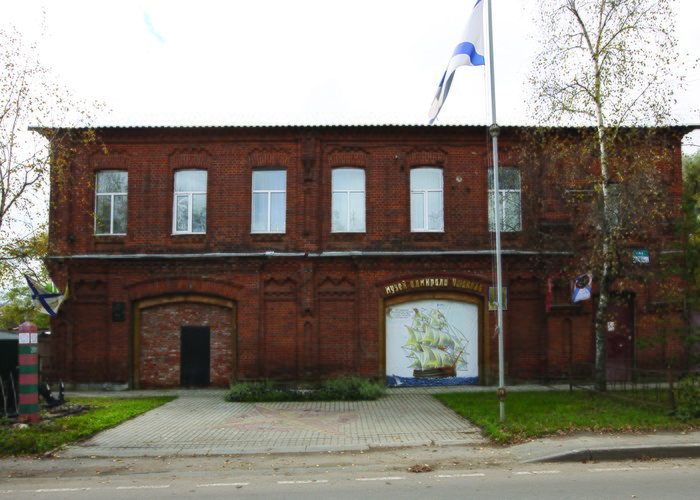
339 389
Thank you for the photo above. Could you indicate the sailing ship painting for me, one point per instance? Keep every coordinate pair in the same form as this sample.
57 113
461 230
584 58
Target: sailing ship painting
432 342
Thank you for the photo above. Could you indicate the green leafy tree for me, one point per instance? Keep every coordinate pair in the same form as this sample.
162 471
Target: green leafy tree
691 180
608 65
689 267
18 307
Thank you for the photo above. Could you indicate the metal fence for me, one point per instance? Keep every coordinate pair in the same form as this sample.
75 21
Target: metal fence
651 387
9 399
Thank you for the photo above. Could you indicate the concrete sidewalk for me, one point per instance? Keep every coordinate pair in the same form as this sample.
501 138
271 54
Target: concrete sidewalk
202 422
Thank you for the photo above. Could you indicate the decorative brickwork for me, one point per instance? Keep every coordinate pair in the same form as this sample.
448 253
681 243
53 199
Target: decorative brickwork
159 343
309 303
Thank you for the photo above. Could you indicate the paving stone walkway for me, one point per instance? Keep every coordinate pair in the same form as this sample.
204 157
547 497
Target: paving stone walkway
203 423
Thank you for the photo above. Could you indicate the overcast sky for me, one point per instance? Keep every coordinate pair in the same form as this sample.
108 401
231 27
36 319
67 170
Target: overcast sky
250 62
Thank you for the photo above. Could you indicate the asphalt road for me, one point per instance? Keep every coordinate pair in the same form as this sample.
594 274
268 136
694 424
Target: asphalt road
385 474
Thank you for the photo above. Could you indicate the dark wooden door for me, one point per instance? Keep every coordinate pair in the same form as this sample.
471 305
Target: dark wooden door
619 347
194 356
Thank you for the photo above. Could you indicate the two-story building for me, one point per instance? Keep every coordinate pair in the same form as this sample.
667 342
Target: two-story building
200 255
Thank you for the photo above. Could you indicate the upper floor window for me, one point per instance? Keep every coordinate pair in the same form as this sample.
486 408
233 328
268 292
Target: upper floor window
269 201
190 202
348 200
426 199
508 199
111 193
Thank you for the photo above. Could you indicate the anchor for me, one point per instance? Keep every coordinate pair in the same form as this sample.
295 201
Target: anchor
51 401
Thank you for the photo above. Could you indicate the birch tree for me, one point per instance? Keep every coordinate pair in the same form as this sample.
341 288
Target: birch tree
608 65
29 100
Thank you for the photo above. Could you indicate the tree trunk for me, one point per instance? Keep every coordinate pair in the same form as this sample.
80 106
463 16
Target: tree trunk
606 228
600 331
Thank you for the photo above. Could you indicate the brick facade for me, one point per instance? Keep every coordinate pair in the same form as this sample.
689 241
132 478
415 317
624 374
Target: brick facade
309 303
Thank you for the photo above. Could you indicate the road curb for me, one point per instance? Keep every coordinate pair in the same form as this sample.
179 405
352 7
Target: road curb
691 450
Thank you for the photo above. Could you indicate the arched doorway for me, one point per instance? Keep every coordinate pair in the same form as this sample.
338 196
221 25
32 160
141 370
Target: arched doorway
433 339
184 341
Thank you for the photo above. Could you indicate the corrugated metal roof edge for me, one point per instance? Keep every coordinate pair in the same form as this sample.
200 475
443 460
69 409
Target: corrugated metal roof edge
688 127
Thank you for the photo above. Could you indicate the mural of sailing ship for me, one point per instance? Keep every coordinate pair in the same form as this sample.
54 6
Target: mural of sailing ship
428 348
434 346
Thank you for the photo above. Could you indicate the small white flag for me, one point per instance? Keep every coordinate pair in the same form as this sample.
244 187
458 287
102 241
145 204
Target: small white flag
468 52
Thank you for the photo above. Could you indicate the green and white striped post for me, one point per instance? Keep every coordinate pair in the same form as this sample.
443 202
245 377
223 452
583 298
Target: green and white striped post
28 373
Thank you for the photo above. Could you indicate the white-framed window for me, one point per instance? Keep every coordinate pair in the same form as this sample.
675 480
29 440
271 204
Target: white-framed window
190 202
111 198
426 199
269 210
509 195
348 205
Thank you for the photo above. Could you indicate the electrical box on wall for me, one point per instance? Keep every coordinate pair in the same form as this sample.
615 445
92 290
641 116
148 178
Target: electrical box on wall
118 312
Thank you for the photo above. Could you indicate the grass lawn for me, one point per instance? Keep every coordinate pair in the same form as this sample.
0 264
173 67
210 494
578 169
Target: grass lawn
50 434
535 414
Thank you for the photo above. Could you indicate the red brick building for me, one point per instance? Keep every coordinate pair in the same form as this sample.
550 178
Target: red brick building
198 256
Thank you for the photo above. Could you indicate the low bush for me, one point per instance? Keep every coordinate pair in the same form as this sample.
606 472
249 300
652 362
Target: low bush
337 389
687 398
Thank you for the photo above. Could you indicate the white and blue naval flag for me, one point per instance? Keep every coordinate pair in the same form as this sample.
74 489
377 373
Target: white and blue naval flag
46 299
468 52
582 288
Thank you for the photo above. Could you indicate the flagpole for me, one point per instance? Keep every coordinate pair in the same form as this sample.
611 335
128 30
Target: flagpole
494 131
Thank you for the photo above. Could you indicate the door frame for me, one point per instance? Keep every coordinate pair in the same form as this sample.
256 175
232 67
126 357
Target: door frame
187 335
478 300
139 306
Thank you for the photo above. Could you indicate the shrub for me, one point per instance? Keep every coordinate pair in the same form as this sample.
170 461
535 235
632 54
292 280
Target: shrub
687 397
338 389
354 388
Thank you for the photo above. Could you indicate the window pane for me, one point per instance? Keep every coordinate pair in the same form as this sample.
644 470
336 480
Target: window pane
277 212
189 181
417 212
199 213
182 214
509 199
357 212
348 179
511 211
508 178
111 182
340 211
426 178
103 215
120 210
259 222
435 211
270 180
